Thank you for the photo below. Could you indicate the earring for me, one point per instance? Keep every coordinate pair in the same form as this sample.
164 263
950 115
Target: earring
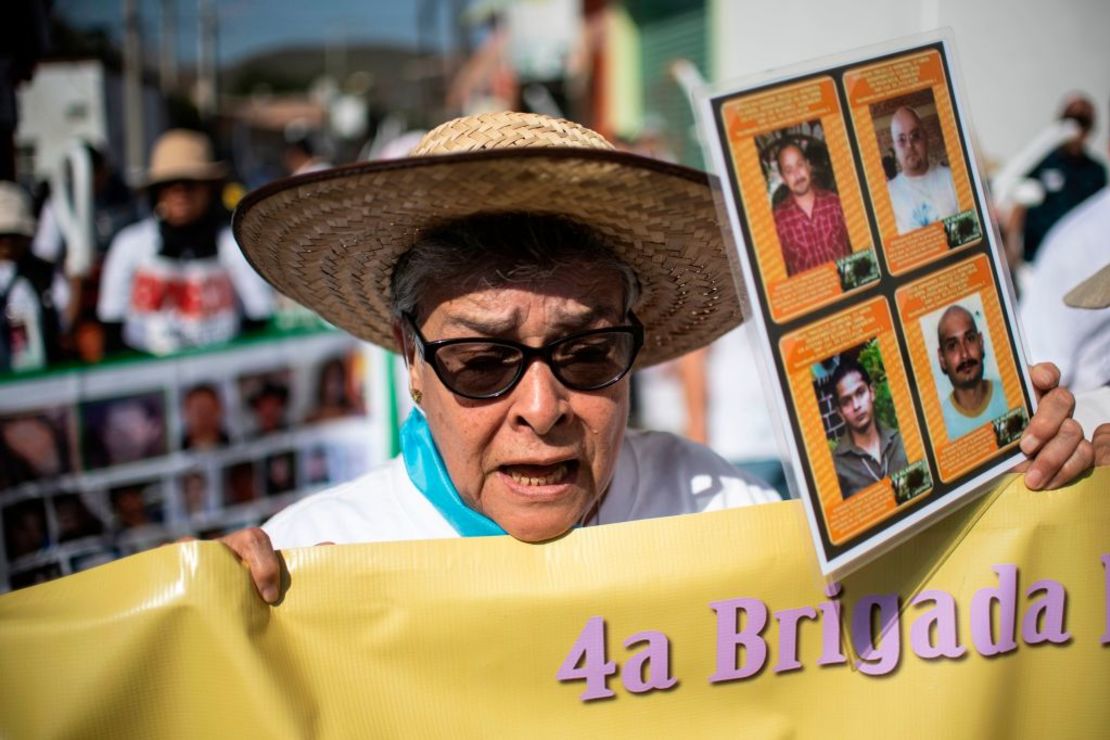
417 396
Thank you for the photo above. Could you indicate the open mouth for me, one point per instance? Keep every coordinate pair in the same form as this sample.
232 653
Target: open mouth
541 475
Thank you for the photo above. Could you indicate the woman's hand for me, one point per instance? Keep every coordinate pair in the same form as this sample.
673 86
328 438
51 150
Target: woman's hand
1053 441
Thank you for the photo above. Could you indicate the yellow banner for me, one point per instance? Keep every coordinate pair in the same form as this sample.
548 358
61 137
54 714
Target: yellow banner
698 626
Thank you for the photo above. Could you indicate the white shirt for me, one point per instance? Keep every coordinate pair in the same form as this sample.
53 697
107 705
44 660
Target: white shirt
920 201
1076 339
135 249
657 474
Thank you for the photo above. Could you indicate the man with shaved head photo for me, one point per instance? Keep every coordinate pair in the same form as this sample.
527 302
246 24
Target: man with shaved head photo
921 193
974 399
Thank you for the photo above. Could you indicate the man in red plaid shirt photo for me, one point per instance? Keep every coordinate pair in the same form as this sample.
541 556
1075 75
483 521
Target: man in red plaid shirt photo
809 220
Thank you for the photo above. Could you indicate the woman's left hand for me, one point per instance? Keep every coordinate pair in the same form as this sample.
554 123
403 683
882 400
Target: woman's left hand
1053 441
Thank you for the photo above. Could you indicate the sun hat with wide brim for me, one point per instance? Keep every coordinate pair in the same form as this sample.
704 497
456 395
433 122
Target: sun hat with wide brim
330 240
180 154
1094 292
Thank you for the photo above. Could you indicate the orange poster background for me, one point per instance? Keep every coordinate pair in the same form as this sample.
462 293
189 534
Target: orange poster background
930 294
846 518
892 79
749 116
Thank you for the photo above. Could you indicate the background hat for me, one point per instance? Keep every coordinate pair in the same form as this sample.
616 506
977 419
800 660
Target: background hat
180 154
1094 292
330 240
15 210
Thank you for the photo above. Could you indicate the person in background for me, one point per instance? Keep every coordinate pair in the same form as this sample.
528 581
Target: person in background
1069 176
33 293
299 157
177 280
114 207
202 413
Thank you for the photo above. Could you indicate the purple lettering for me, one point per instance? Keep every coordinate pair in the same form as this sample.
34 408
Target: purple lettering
788 637
940 621
654 662
832 650
1044 621
587 662
882 658
729 638
982 617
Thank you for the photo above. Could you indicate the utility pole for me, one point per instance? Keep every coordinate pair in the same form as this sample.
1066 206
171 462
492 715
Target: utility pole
135 140
169 47
207 92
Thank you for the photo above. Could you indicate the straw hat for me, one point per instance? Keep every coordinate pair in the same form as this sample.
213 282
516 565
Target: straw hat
330 240
1094 292
180 154
15 210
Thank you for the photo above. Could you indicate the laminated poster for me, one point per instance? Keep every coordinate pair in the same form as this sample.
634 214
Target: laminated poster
878 288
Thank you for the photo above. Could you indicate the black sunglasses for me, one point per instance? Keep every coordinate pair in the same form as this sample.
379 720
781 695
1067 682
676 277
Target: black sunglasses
481 369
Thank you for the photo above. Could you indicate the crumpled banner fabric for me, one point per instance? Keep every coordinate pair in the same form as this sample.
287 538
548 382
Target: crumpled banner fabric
464 637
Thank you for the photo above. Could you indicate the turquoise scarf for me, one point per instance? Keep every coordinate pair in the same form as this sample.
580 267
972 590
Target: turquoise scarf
428 473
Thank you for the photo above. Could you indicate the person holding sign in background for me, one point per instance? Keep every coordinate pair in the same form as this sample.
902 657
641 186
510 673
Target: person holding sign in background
921 193
810 221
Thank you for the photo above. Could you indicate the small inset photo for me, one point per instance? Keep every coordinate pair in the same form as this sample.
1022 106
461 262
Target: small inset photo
203 419
34 445
265 402
280 473
858 415
338 389
240 483
75 518
915 160
137 504
809 219
25 529
123 429
194 488
965 371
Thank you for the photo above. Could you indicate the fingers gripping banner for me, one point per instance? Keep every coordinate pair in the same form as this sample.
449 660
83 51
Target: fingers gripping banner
993 623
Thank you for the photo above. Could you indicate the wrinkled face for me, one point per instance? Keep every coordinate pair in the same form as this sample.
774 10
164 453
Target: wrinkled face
537 459
911 146
961 350
182 202
795 170
855 398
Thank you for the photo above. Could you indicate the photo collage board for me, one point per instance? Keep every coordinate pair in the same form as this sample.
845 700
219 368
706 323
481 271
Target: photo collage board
869 256
101 463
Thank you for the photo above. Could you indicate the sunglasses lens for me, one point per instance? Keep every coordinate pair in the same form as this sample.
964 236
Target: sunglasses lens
595 360
478 369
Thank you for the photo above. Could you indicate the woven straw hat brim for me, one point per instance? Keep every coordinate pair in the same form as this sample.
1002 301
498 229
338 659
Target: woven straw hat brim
330 240
1094 292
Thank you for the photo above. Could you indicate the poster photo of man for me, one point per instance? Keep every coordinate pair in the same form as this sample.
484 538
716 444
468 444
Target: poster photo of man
863 427
964 368
915 160
809 219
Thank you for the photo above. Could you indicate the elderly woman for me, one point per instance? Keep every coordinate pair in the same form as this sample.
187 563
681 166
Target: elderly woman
523 267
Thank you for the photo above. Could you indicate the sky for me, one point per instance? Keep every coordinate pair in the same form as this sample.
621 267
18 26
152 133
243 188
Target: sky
247 27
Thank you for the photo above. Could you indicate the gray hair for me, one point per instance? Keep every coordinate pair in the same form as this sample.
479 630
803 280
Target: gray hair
489 250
